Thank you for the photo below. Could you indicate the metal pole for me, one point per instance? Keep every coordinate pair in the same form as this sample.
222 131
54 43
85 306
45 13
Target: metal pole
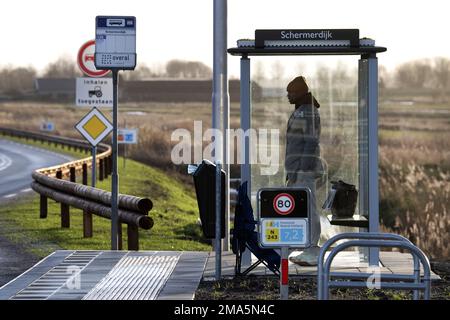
372 104
115 174
284 274
218 240
219 78
363 148
246 143
94 165
226 122
124 145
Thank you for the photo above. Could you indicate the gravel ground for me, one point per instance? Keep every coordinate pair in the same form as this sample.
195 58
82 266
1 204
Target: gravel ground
13 261
267 288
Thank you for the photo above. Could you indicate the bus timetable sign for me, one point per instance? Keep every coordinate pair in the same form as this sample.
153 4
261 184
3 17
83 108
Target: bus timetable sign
115 43
284 217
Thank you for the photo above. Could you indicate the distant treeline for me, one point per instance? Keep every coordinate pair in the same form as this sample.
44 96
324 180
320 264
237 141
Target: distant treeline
418 76
19 81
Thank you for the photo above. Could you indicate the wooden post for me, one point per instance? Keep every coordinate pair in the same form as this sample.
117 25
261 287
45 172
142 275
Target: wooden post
85 174
133 237
101 170
107 172
87 217
43 207
65 209
73 175
65 215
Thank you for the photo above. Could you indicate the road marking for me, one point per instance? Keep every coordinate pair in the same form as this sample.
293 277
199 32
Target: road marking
26 190
10 195
5 161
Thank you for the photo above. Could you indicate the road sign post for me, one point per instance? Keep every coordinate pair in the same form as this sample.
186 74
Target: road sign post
94 127
115 173
94 166
284 223
125 137
115 49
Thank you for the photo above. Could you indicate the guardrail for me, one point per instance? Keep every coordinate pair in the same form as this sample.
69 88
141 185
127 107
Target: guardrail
49 183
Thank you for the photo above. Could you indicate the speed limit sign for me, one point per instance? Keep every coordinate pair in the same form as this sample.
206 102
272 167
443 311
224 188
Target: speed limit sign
284 204
284 217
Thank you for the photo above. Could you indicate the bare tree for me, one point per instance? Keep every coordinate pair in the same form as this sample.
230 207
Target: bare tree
414 75
277 71
441 77
142 72
441 73
187 69
64 67
259 74
17 80
383 76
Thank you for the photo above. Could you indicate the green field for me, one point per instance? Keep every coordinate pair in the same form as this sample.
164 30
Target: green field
174 212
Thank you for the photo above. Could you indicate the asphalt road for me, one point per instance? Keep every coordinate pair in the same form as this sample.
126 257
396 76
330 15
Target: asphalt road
17 161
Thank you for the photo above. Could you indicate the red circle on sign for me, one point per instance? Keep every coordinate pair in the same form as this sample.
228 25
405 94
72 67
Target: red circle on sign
288 204
83 62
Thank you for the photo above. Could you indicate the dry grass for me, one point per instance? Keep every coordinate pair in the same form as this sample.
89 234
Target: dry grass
414 203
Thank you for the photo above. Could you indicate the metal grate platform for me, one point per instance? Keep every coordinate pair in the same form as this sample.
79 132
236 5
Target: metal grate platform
110 275
135 278
63 274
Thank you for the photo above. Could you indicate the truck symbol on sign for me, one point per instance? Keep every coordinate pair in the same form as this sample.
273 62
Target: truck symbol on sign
88 57
96 92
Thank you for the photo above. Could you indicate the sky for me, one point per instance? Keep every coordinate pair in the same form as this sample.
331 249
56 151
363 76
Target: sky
37 32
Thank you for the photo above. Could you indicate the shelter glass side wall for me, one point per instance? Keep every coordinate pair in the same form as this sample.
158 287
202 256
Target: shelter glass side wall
335 86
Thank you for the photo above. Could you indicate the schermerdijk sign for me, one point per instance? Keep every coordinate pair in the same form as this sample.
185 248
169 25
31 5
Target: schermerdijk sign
306 34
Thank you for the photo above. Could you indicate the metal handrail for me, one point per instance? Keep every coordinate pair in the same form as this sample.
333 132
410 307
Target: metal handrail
372 235
324 272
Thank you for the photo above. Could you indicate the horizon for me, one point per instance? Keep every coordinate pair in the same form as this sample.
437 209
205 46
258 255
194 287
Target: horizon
178 30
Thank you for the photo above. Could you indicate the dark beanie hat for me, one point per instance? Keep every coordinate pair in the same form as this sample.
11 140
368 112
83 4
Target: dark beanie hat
298 85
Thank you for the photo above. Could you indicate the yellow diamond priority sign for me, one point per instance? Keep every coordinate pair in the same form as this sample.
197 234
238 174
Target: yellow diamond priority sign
94 126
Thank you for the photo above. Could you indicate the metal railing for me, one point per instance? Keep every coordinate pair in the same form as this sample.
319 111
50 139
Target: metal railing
49 183
404 281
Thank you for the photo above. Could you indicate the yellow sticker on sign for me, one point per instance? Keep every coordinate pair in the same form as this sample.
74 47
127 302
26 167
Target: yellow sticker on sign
94 127
272 234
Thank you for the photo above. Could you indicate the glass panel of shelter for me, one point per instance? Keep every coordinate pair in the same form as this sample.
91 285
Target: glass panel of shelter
334 84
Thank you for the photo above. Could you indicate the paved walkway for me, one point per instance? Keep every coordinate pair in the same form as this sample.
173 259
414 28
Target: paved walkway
346 261
106 275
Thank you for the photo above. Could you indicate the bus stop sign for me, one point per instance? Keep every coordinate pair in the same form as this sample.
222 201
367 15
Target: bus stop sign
284 217
115 43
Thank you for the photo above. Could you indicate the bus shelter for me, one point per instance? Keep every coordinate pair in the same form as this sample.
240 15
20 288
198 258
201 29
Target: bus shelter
352 142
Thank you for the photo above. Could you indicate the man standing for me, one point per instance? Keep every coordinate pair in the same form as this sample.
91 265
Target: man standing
302 161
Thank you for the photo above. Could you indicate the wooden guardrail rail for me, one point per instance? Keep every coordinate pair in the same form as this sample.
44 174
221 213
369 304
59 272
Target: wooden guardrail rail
49 183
